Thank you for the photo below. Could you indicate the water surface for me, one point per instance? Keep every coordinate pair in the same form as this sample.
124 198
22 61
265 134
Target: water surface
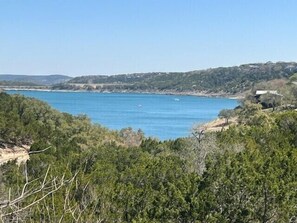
160 116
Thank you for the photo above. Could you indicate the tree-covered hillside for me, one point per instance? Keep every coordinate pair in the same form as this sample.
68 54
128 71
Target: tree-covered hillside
228 80
80 172
16 84
27 121
35 79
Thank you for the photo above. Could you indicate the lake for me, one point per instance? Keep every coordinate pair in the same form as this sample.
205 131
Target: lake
160 116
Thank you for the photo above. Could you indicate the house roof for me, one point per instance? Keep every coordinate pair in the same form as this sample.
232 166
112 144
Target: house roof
261 92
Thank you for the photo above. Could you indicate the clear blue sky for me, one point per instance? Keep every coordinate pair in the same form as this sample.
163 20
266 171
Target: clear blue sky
124 36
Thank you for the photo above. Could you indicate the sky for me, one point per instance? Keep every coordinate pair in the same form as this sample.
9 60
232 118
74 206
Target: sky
84 37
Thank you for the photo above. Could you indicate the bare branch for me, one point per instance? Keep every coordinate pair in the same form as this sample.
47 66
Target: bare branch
39 151
50 186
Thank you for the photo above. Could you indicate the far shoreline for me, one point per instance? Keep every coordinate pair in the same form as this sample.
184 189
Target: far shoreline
188 93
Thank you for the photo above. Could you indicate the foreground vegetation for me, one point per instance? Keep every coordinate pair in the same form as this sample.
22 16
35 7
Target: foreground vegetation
80 172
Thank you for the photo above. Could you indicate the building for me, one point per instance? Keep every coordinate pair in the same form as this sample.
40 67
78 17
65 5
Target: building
268 98
259 93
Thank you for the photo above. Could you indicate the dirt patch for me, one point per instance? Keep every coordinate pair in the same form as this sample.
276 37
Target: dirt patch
219 124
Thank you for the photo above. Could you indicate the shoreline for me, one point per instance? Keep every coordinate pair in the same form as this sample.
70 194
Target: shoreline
187 93
195 94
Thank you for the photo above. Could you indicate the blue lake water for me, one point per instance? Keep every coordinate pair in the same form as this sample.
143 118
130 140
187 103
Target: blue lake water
160 116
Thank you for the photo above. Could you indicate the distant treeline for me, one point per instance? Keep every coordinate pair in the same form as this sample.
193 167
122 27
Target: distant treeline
34 79
229 80
17 84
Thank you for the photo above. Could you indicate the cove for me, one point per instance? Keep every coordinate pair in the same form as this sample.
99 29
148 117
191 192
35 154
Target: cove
160 116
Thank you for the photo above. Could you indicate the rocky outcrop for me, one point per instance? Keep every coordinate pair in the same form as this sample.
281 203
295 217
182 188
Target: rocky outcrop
18 153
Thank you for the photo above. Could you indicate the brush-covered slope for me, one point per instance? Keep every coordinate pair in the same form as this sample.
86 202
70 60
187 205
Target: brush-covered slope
222 80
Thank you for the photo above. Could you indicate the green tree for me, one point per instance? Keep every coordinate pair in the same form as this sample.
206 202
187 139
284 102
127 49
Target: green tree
293 78
226 114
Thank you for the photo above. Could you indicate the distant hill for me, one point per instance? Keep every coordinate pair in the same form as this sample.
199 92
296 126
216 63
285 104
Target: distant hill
222 80
35 79
17 84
